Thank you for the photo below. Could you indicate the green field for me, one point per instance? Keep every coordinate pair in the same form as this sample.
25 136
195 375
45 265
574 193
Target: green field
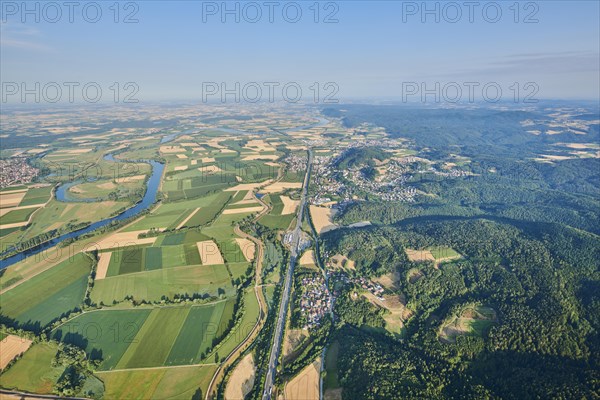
36 196
443 252
14 216
104 334
152 285
241 331
144 259
277 204
47 296
34 372
473 321
277 221
139 338
161 383
331 380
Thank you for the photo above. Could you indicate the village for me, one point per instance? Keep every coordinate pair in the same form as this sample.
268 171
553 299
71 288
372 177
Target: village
16 170
316 300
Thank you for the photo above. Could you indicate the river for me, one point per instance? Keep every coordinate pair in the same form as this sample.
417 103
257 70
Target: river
148 199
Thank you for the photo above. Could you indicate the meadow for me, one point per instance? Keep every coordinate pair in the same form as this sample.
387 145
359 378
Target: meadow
153 285
34 372
128 338
58 290
160 383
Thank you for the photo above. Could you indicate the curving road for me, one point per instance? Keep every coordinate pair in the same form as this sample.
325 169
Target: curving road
285 296
262 303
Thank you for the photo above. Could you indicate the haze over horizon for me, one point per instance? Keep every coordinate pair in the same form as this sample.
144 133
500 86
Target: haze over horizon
367 50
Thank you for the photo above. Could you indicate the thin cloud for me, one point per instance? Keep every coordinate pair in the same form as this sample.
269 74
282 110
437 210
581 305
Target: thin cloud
22 37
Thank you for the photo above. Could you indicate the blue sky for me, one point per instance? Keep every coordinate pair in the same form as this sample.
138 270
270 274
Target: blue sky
370 51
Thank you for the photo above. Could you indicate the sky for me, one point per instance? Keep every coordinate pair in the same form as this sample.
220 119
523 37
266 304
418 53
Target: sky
196 50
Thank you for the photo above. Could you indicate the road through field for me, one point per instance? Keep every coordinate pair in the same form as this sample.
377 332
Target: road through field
285 296
240 348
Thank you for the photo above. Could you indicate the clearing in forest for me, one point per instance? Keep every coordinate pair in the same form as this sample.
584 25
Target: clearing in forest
472 320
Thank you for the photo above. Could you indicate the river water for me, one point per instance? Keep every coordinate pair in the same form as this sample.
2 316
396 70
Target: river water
148 199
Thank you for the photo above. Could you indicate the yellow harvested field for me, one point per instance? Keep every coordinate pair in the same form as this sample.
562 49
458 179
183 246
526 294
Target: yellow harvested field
289 205
227 151
248 248
579 146
75 151
11 199
308 258
36 151
129 179
398 313
209 253
259 145
14 225
272 164
206 160
241 210
215 143
10 347
106 185
322 218
281 186
209 169
180 168
189 144
242 379
305 385
194 162
296 147
102 269
124 239
341 261
182 224
171 149
292 339
260 157
17 190
182 156
389 280
251 200
246 186
419 255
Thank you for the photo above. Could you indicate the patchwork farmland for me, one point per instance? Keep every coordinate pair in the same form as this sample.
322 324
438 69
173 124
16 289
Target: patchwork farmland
159 302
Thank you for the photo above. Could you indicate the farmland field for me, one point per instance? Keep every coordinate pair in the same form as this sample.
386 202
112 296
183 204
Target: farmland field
34 373
161 383
152 285
58 290
126 339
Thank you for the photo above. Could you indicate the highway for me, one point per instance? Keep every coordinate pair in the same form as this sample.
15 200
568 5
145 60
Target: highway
285 297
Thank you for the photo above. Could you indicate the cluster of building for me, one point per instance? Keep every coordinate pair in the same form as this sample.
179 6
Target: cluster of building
340 276
316 300
16 170
374 288
296 163
390 185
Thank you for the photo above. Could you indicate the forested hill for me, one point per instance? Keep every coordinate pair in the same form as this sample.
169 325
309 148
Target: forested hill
481 130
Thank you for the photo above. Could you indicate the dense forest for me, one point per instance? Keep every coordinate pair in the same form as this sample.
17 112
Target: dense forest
541 281
528 238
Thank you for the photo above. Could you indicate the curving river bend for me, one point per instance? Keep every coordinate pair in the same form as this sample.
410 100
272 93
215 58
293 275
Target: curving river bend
148 199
